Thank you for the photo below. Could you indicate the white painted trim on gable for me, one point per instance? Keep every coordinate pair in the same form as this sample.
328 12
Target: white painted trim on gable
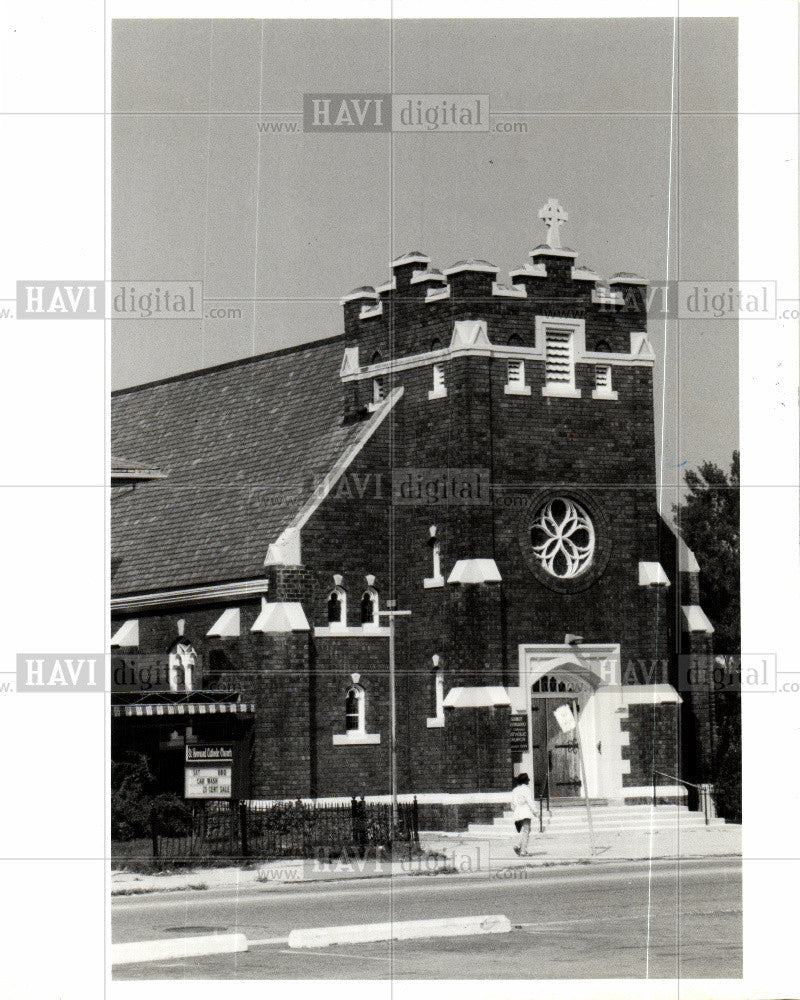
435 294
342 463
191 595
367 312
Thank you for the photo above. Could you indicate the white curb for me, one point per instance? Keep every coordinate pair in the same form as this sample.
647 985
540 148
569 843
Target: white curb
185 947
399 930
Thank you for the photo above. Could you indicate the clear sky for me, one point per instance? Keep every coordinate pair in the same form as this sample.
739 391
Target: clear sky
294 220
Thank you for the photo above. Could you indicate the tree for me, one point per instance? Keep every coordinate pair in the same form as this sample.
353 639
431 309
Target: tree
708 520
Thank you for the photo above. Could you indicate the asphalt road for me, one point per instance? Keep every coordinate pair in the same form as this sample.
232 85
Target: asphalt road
671 920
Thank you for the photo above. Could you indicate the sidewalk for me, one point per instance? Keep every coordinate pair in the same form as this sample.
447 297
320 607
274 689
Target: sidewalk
461 854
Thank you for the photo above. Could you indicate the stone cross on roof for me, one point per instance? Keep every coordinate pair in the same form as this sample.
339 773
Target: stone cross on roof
553 215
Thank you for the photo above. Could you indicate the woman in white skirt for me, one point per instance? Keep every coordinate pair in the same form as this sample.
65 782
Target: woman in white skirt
524 811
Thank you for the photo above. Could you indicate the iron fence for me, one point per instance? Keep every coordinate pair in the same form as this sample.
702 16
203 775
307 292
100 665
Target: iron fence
237 830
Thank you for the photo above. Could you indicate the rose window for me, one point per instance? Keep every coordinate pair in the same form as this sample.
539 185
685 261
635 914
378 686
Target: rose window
563 538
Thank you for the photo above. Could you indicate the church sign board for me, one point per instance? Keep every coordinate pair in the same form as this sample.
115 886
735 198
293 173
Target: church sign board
209 771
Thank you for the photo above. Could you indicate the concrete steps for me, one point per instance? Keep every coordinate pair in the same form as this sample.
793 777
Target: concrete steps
605 818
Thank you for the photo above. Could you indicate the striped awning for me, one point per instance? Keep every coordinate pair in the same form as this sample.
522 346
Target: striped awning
185 708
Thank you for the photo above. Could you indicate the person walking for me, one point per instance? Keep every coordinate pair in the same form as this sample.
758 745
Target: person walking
524 811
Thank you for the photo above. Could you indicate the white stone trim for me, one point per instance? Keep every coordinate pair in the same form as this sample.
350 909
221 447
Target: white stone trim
514 389
605 297
285 550
476 697
411 258
627 279
433 581
470 333
281 617
583 274
191 595
367 312
334 630
514 292
651 574
127 634
418 277
366 292
502 352
547 251
228 625
435 722
695 620
482 267
610 394
563 391
475 571
354 739
387 286
529 271
435 294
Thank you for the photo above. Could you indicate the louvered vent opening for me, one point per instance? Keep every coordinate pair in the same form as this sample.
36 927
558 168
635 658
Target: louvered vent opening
602 378
559 357
516 372
438 377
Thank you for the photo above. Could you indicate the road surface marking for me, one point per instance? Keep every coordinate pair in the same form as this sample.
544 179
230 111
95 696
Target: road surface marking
188 947
400 930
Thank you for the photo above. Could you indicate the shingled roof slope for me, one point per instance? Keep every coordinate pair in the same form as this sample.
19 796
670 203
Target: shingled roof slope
240 444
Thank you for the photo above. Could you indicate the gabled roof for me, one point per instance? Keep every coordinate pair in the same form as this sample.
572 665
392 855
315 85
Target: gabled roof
240 444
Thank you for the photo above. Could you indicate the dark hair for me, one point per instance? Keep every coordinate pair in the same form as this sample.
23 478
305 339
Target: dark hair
521 779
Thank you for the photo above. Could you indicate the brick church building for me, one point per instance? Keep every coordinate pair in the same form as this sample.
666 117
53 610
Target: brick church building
483 454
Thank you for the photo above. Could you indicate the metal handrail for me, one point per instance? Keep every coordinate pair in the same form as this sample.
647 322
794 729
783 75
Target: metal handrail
704 790
544 789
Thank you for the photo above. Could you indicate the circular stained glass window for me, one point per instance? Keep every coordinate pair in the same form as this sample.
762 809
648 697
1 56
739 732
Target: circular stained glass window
563 538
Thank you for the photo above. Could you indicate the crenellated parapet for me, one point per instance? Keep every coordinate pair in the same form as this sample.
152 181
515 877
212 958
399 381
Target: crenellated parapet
414 311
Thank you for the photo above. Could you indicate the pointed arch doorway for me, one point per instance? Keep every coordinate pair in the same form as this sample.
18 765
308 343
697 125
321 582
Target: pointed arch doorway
556 760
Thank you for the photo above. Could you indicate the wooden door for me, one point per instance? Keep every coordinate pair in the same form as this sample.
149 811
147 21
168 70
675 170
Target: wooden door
555 754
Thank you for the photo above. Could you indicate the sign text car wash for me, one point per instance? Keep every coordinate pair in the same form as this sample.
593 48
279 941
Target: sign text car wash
209 771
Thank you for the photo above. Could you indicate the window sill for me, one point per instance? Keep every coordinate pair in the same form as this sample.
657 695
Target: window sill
353 739
373 406
433 581
331 631
516 390
562 391
601 394
437 393
436 723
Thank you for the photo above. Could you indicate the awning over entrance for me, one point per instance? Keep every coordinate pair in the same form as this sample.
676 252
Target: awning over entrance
184 708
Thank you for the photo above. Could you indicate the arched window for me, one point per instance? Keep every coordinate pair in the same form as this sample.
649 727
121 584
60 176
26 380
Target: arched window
514 341
438 694
436 558
337 607
355 714
436 344
376 358
182 664
603 345
369 607
435 579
